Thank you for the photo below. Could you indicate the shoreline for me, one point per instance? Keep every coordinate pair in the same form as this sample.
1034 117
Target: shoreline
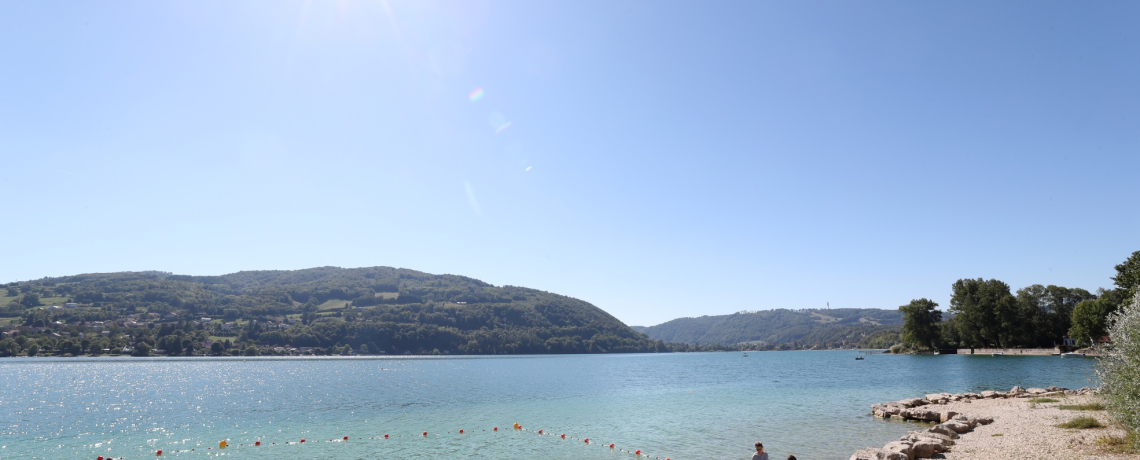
1020 423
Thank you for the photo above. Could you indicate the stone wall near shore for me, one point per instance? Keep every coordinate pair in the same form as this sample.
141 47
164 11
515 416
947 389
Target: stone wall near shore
1011 351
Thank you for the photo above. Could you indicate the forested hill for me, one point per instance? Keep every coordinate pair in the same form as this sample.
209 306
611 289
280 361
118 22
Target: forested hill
320 310
833 328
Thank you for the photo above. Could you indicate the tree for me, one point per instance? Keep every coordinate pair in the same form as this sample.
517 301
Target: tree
216 348
985 312
1090 320
1119 367
141 349
1046 313
30 300
921 319
1128 275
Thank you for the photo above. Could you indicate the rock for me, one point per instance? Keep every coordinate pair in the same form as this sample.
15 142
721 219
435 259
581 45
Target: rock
972 396
990 394
1056 388
900 447
913 402
981 420
878 454
1016 390
925 415
924 449
1036 391
946 416
916 436
957 427
942 429
966 421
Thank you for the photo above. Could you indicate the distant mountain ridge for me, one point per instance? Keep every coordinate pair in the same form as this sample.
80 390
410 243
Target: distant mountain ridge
326 310
838 327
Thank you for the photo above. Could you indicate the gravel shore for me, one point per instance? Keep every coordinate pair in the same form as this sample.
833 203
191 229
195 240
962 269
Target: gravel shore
1024 430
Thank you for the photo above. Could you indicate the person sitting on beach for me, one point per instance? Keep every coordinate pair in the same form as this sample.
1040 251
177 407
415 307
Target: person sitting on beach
760 454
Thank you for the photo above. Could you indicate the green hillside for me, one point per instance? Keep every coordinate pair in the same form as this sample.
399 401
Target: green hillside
834 328
319 310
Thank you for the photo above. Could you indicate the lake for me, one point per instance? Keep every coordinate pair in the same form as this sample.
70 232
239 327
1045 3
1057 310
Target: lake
813 404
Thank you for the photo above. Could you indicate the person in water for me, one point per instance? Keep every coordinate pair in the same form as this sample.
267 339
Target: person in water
791 457
760 454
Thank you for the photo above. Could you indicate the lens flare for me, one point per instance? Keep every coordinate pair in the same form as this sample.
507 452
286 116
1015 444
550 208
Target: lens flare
503 128
475 94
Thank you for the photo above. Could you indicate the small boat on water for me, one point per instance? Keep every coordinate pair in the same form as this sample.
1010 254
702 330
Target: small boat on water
1072 355
858 358
997 354
746 354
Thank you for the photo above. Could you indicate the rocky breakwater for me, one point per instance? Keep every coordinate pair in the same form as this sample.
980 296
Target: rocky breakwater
949 424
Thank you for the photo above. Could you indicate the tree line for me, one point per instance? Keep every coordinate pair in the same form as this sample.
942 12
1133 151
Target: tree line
986 314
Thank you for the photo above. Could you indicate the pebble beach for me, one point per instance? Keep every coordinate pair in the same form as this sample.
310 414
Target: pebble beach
1020 424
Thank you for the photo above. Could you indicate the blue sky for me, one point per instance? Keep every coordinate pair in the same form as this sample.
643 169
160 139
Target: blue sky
658 159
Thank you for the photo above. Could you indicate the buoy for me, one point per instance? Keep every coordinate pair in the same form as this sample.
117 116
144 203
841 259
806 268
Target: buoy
425 433
638 452
222 445
100 458
587 440
302 440
346 438
496 428
258 443
159 452
460 431
611 445
563 435
539 431
385 435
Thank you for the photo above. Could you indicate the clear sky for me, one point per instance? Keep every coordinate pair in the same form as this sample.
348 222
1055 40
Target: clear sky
658 159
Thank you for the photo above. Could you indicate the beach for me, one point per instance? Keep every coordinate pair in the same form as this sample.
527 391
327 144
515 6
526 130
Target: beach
1019 424
1026 430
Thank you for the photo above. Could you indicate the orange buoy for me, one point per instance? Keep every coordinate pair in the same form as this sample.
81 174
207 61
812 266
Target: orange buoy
222 445
258 443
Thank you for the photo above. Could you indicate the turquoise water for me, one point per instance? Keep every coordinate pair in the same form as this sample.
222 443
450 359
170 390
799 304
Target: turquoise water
814 404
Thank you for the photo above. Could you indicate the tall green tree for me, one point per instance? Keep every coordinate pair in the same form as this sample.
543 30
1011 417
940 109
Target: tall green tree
1090 320
985 313
921 328
1128 275
1046 313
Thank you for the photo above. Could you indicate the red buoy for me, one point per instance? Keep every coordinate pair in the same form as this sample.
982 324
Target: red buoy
258 443
425 433
638 452
159 452
100 458
302 440
587 441
539 431
385 435
496 428
563 435
611 445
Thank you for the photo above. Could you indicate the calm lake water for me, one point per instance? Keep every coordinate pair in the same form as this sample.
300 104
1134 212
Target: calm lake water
814 404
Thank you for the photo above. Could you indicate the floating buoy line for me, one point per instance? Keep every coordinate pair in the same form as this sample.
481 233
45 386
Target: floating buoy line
225 444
